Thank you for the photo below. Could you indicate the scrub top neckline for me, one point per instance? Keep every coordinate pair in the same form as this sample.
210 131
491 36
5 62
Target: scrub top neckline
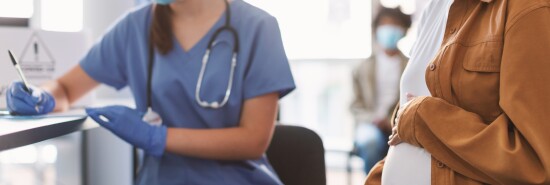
200 46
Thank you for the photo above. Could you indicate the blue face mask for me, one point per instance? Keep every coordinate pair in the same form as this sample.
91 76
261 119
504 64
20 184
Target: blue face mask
164 2
388 36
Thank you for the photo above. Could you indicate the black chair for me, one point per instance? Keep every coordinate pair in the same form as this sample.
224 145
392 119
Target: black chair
297 155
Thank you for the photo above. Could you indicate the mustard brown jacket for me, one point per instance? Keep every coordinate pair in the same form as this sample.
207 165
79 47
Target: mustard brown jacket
488 120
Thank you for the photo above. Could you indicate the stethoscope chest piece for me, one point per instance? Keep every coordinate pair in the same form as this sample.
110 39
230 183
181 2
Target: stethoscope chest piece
215 104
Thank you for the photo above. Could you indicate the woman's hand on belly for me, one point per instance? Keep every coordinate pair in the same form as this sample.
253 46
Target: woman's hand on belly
394 138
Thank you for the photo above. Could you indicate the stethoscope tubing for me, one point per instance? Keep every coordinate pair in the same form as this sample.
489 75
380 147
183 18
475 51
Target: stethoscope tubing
211 43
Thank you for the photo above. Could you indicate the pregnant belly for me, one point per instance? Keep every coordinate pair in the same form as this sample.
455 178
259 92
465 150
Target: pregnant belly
407 164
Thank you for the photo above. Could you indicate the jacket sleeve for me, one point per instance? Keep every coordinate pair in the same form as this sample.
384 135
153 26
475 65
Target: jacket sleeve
514 148
375 175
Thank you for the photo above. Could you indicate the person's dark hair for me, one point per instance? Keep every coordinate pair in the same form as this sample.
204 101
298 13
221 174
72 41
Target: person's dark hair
393 13
161 28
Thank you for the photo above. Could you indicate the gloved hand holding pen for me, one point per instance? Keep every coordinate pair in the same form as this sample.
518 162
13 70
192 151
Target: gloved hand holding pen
127 124
33 102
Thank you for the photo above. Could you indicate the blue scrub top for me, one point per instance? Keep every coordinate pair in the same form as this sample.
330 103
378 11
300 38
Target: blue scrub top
119 59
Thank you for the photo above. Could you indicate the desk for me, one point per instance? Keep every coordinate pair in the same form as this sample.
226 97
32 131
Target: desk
20 132
94 157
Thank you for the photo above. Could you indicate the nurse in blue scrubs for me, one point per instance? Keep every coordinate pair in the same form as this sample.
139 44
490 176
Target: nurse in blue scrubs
214 117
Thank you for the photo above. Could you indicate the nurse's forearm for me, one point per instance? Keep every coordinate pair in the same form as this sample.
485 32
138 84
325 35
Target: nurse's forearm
247 141
221 144
58 92
70 87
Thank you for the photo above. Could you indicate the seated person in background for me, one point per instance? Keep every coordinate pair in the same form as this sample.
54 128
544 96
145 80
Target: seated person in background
376 86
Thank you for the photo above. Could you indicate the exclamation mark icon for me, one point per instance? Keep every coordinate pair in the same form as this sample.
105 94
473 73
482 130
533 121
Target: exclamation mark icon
36 52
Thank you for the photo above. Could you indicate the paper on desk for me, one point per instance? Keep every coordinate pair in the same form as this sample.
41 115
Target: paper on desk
4 113
66 114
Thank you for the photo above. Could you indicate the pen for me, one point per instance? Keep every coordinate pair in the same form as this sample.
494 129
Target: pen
18 68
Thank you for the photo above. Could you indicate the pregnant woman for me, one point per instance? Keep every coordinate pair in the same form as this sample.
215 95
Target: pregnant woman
485 118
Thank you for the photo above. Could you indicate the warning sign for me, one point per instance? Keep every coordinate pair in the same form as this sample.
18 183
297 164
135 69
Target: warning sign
43 55
36 60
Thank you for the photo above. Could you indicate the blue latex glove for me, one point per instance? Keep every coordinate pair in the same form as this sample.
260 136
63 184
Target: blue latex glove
22 102
127 124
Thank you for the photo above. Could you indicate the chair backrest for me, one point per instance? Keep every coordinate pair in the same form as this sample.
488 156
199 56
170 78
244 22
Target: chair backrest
297 155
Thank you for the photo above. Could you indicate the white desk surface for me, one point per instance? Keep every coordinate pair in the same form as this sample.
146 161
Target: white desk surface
18 131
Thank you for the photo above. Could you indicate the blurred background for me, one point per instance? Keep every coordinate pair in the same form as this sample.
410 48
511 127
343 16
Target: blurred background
324 40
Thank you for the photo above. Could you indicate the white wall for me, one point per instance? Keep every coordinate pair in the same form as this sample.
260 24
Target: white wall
109 158
99 15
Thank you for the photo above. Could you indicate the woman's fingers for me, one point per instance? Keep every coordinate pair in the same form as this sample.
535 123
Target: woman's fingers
394 140
410 96
396 121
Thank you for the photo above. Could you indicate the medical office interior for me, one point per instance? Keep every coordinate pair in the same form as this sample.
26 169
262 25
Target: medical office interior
324 41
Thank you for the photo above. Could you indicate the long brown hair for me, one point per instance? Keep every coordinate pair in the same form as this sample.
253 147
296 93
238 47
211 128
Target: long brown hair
161 28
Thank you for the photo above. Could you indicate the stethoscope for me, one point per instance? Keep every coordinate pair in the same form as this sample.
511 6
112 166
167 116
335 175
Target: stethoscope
150 116
211 44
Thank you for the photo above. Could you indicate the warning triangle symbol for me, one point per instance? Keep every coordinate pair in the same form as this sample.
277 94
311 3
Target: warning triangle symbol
36 52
